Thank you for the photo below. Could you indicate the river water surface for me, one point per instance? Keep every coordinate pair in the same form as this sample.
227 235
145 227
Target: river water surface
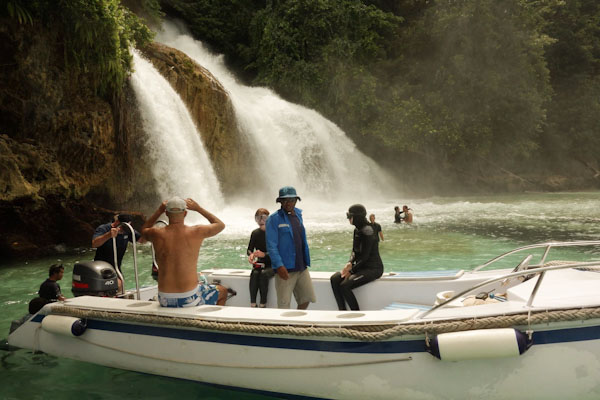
448 233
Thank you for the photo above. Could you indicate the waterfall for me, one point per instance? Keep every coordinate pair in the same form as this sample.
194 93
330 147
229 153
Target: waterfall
291 144
180 163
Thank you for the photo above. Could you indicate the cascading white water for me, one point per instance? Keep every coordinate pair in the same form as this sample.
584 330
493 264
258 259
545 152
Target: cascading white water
180 163
292 145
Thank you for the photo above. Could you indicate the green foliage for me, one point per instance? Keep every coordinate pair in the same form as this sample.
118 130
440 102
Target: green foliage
302 46
18 11
482 90
471 84
574 61
97 36
149 10
223 24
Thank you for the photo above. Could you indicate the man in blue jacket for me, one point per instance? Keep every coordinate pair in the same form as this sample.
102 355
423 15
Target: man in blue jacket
288 248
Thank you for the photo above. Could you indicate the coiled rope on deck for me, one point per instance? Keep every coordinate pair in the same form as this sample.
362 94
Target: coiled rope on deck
367 333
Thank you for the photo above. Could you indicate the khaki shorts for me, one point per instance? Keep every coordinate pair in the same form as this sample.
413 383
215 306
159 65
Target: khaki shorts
300 284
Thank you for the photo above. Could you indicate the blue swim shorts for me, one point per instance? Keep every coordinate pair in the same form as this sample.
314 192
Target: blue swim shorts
203 294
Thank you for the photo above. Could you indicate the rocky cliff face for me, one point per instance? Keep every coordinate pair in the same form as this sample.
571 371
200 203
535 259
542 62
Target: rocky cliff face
67 155
55 132
211 109
57 143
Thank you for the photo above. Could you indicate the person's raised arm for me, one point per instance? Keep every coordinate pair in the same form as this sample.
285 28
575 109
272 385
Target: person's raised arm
216 225
100 238
147 227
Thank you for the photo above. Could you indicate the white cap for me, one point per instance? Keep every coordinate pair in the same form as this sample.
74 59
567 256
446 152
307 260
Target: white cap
176 205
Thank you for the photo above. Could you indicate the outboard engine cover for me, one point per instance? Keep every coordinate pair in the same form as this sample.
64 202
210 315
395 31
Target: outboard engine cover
94 278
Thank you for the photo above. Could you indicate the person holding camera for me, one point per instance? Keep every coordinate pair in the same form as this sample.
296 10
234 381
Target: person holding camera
260 260
103 243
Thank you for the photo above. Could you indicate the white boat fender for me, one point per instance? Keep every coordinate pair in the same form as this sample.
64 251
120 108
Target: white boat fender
479 344
63 325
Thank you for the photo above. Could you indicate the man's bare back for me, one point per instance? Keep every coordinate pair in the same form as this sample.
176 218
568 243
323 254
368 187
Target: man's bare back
177 246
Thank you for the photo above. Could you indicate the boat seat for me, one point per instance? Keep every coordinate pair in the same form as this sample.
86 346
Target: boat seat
406 306
425 275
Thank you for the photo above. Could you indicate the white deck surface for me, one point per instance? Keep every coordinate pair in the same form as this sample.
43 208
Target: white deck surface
246 314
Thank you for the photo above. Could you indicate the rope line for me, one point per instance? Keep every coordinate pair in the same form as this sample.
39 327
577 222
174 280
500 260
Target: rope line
363 333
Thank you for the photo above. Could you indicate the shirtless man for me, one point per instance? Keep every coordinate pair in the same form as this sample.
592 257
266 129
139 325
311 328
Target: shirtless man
177 247
408 215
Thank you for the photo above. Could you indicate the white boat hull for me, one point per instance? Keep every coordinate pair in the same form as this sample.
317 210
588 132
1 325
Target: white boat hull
567 367
374 353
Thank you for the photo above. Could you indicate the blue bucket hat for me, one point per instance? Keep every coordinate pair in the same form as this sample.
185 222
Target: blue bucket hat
287 192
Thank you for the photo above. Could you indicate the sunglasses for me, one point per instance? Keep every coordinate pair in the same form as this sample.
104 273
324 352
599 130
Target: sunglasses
348 215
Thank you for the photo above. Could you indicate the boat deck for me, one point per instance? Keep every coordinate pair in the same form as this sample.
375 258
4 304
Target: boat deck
272 316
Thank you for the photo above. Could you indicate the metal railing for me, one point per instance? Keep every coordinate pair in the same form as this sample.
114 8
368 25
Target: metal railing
547 245
538 270
116 265
135 266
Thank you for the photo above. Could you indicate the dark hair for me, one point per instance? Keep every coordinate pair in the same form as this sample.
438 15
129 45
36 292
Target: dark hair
124 218
357 210
55 269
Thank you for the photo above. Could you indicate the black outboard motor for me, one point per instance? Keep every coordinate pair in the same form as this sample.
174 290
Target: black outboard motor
94 278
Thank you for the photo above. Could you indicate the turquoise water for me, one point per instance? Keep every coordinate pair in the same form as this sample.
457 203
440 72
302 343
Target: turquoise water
448 233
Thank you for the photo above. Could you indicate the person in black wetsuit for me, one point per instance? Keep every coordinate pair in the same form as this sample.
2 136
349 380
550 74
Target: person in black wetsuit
377 227
365 264
260 260
397 215
50 289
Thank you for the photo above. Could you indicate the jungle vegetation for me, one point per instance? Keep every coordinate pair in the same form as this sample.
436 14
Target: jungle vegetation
95 35
472 86
465 85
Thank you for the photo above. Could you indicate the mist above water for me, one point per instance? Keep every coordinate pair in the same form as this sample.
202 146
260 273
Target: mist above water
297 146
290 144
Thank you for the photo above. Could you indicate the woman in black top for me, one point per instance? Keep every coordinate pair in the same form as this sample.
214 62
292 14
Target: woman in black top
365 264
260 260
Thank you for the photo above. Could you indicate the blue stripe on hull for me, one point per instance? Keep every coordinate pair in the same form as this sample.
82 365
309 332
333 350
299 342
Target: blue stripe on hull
262 341
567 335
389 347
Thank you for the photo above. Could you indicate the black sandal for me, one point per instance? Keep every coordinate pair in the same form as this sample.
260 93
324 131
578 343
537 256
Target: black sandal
230 293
